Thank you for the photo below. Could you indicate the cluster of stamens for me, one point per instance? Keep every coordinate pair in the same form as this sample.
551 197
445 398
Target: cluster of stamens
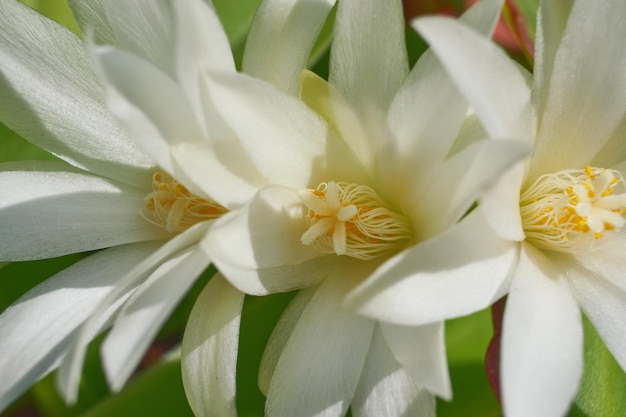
350 219
171 206
570 211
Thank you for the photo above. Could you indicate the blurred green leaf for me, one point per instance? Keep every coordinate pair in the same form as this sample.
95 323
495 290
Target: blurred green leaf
603 386
236 17
57 10
15 148
528 9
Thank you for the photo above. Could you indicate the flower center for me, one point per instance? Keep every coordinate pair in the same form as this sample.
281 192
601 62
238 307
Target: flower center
171 206
349 219
570 211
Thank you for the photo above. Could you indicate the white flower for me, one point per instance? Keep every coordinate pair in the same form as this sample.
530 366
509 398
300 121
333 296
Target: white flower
561 214
333 205
110 194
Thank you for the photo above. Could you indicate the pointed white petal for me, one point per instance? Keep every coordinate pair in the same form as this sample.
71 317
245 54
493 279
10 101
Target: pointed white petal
461 271
386 389
209 352
70 370
583 106
258 247
368 60
50 95
422 352
488 78
48 209
283 137
91 16
327 348
542 341
460 181
145 28
606 260
280 335
145 311
280 40
36 330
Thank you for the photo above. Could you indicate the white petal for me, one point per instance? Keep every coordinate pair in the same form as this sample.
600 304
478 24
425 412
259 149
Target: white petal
200 43
542 341
91 16
280 335
36 330
327 349
70 370
460 181
284 138
456 273
149 104
144 28
583 106
607 259
258 247
614 151
428 111
50 95
368 61
48 210
386 389
422 352
280 40
209 352
145 311
488 78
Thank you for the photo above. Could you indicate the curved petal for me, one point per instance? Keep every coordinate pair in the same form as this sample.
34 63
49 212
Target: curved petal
386 389
368 60
280 40
328 345
285 140
583 106
606 259
460 181
50 95
422 353
82 212
36 330
145 311
209 351
258 247
280 335
456 273
542 341
489 79
91 16
70 370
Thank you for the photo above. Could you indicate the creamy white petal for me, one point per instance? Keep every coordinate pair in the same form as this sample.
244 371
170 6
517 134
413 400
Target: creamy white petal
281 135
369 50
149 104
428 111
386 389
422 352
280 40
49 209
614 151
258 247
458 272
605 305
488 78
327 349
459 182
51 96
606 260
145 311
200 43
583 105
36 330
280 335
145 28
542 341
91 17
69 373
209 351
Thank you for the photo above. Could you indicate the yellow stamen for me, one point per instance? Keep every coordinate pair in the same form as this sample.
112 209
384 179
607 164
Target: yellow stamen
171 206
